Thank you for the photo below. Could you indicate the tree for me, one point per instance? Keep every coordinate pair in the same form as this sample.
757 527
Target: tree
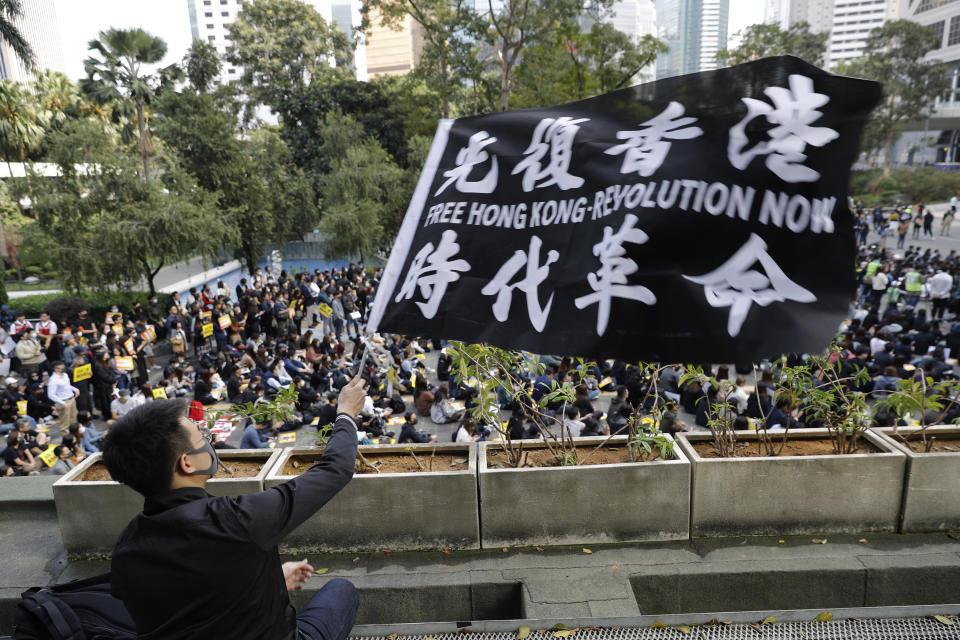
263 195
11 10
364 195
22 121
202 65
283 46
516 25
108 222
897 59
118 78
573 64
764 40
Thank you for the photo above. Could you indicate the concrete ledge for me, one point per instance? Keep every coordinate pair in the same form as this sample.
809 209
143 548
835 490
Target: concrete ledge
29 492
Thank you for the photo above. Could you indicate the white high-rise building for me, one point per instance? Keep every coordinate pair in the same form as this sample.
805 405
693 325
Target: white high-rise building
713 32
209 20
852 22
636 18
848 23
777 12
694 30
38 26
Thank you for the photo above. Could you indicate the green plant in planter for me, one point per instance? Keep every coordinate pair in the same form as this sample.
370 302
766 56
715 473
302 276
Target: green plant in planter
929 400
721 415
829 400
644 441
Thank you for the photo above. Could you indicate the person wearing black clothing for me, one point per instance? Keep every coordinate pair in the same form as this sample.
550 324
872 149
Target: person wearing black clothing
328 412
203 387
409 432
194 566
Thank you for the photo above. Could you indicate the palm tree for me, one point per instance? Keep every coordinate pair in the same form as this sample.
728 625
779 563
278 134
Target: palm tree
58 96
10 10
118 78
21 128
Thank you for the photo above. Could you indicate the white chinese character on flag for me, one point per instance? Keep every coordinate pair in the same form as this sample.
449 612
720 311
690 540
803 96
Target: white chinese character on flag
734 284
553 135
645 149
534 276
610 280
793 111
432 271
469 157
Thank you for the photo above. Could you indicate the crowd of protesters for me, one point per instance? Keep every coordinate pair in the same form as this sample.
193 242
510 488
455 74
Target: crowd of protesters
70 378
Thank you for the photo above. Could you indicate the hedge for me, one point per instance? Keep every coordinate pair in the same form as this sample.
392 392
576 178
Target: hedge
60 304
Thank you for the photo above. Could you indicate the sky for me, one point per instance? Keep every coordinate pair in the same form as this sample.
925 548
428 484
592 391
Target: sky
81 20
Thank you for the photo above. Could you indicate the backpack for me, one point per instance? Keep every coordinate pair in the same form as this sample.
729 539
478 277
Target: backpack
347 304
78 610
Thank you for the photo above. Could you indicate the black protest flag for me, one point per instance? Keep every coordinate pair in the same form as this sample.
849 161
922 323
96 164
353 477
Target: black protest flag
698 218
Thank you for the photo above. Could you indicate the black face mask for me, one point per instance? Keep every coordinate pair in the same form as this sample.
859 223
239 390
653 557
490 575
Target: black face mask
212 469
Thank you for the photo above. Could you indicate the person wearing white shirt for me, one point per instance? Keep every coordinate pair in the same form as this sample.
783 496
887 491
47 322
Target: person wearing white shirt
880 283
64 396
876 345
940 285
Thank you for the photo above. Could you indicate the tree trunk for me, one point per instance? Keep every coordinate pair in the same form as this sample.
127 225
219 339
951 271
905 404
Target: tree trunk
887 148
144 143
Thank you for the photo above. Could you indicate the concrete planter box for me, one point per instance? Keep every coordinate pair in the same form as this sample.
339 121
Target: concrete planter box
92 514
392 511
584 504
786 495
931 494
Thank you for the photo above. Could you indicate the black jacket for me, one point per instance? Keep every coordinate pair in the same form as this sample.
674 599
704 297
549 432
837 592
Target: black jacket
194 566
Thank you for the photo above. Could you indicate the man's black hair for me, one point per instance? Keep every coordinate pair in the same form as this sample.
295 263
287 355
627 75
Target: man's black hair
142 447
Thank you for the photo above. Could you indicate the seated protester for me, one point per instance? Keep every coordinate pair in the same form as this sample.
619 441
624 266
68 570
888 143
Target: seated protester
571 422
758 404
215 560
590 428
443 366
254 436
617 401
689 394
703 406
442 412
885 383
782 415
617 422
30 439
20 460
328 412
515 430
885 358
64 464
409 432
234 387
121 405
583 403
144 393
177 384
424 401
203 390
86 436
467 431
669 384
77 454
670 422
39 406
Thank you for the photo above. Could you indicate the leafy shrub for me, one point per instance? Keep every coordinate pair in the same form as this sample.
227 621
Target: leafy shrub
60 306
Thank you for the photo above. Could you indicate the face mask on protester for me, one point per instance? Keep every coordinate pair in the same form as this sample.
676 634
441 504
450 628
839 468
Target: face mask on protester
212 469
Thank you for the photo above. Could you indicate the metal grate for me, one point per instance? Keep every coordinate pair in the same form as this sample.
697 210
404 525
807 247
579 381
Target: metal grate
872 629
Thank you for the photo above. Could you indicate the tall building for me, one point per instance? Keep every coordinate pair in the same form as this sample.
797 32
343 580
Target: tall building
777 12
209 20
38 26
848 22
635 18
852 22
694 30
392 52
938 138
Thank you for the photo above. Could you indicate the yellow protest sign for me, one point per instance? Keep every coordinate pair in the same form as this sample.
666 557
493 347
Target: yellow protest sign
206 315
224 322
421 356
123 364
22 407
606 382
284 438
128 345
208 330
150 334
48 457
159 393
325 310
118 329
83 372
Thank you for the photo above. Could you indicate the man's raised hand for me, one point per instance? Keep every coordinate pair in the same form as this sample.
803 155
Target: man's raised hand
352 396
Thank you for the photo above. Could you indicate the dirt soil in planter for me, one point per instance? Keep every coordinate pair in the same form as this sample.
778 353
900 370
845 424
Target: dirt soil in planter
388 463
949 443
245 468
805 447
540 457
